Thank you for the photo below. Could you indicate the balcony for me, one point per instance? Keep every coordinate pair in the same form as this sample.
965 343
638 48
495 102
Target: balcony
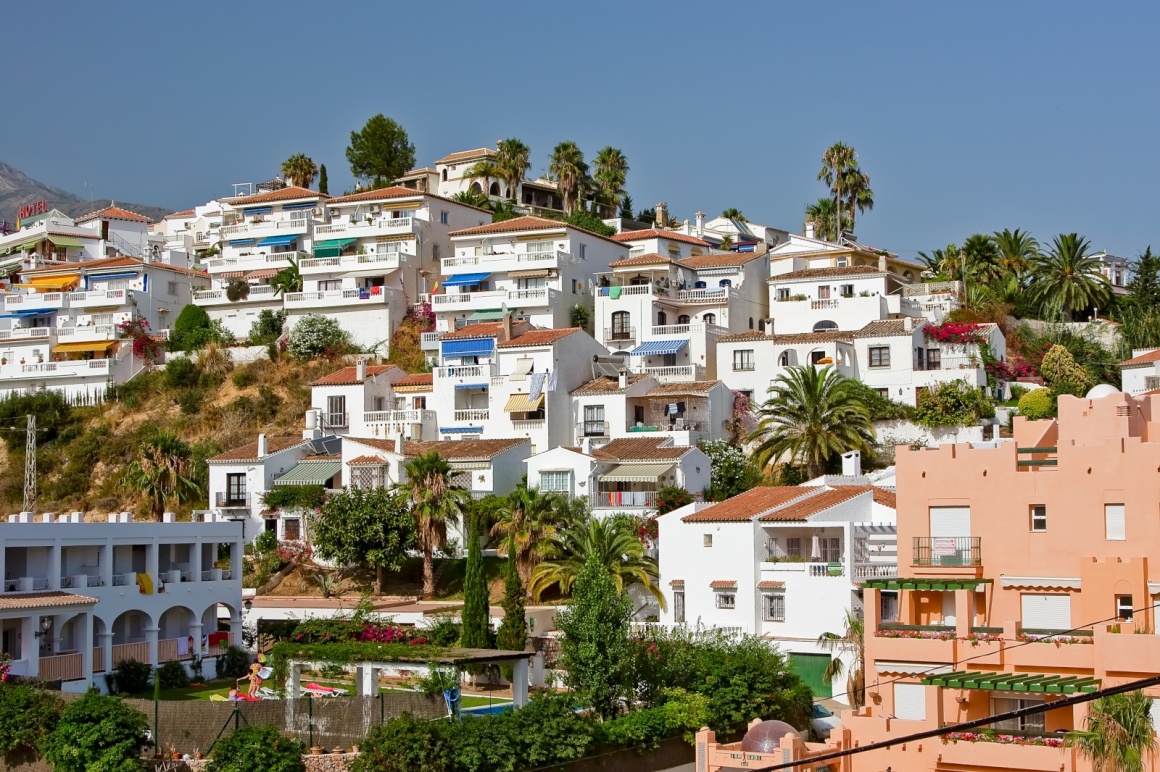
619 338
83 368
265 227
947 551
505 261
676 373
261 293
834 569
371 227
87 333
529 424
683 330
399 416
592 429
231 501
98 298
629 290
874 571
28 334
36 301
429 341
961 753
1036 458
488 299
481 373
948 363
712 296
372 262
253 262
343 297
623 499
471 416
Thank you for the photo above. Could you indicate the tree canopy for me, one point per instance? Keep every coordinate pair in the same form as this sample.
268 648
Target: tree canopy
367 527
380 152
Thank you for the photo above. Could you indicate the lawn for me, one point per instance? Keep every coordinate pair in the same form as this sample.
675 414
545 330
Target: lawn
200 692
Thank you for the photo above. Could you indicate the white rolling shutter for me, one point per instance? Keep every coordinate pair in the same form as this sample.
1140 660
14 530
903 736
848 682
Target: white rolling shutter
1154 714
1114 526
950 521
910 702
1046 612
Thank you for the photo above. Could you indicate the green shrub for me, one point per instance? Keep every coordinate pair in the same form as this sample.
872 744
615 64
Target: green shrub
190 401
1037 404
53 414
641 729
266 541
672 497
954 403
27 716
317 336
268 327
97 734
132 676
191 330
442 630
244 377
172 675
181 373
257 749
405 744
233 663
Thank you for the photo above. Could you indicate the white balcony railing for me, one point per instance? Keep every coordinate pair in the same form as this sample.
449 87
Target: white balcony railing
27 333
676 373
365 227
688 329
540 296
471 415
341 297
258 293
529 425
874 570
605 499
500 261
470 372
281 225
97 298
399 416
253 261
35 300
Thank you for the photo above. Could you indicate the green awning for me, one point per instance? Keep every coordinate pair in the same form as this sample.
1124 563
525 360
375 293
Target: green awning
332 248
1016 682
65 241
310 473
924 583
490 315
28 241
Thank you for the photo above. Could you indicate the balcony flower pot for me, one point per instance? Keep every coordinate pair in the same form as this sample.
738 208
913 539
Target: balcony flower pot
316 751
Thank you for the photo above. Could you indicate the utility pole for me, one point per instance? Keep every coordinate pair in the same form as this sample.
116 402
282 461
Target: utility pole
29 463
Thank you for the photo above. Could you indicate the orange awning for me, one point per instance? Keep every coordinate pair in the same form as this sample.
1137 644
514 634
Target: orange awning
59 282
72 348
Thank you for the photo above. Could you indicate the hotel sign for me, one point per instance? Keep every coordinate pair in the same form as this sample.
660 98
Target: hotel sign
31 210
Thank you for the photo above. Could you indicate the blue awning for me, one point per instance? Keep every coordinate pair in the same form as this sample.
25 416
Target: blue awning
25 313
258 210
460 429
107 276
658 347
242 243
471 386
278 241
476 347
464 279
295 207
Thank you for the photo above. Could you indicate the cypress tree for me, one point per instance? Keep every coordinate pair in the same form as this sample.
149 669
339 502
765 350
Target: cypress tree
513 631
476 632
323 185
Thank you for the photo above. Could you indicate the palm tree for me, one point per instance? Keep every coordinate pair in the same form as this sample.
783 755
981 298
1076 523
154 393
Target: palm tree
289 279
568 168
943 262
471 198
726 242
852 641
436 502
1017 250
858 192
299 170
612 540
821 214
733 213
983 261
1118 734
527 517
487 171
1067 278
812 415
163 471
511 163
610 174
837 162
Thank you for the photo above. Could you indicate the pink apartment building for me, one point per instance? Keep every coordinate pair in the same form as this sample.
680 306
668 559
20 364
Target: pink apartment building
1028 573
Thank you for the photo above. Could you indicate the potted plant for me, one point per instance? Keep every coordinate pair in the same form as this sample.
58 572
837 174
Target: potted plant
316 751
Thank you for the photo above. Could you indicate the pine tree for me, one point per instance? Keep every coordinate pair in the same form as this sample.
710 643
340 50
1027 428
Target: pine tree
476 632
1145 284
513 631
323 185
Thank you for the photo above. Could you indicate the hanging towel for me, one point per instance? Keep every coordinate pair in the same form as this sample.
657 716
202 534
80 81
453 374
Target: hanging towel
145 583
614 292
536 386
183 647
552 381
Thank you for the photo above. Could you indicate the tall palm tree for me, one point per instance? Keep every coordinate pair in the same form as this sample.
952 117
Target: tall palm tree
1017 250
511 163
1067 279
299 170
612 540
982 258
852 641
163 471
733 213
858 193
471 198
810 416
486 170
609 175
436 503
943 262
1118 734
568 168
527 517
837 162
822 214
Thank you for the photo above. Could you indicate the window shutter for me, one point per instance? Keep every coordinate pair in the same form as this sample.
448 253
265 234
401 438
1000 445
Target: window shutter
1046 612
910 702
950 521
1154 714
1115 528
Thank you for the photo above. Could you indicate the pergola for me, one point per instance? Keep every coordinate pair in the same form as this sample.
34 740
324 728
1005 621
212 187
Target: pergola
367 672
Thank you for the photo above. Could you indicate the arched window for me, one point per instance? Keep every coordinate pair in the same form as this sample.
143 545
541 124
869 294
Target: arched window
751 322
683 319
825 325
907 275
476 188
709 318
817 356
621 329
662 318
785 360
761 325
495 189
725 283
445 175
699 285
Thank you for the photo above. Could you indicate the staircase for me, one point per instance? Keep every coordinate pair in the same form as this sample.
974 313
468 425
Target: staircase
132 250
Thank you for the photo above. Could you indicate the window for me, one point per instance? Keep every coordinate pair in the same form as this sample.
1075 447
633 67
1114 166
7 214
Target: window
581 252
1045 612
621 327
1124 608
775 607
575 287
793 547
292 529
783 293
236 488
889 606
445 175
594 424
683 319
816 357
910 702
751 322
831 549
725 283
933 359
1038 518
336 410
662 319
743 360
1114 529
329 284
707 540
171 287
678 607
1152 382
843 262
668 360
726 600
884 393
558 482
880 356
1031 723
709 318
783 360
443 217
824 292
846 290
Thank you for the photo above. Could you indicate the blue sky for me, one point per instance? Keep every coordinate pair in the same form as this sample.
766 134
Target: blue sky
968 117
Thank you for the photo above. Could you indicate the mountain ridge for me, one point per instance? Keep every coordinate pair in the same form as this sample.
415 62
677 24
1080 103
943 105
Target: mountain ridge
18 189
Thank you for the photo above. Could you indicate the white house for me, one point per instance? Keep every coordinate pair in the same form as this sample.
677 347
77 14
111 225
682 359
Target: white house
539 196
750 361
783 563
659 241
352 400
191 232
1141 373
52 235
80 597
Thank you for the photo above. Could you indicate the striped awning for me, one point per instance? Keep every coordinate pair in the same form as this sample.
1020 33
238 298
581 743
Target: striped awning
522 403
73 348
925 583
65 241
658 347
262 273
635 473
233 274
1016 682
50 283
310 473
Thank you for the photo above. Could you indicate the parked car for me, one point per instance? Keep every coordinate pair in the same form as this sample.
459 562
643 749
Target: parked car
823 721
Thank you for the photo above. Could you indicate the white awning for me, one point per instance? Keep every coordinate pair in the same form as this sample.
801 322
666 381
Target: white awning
635 473
523 367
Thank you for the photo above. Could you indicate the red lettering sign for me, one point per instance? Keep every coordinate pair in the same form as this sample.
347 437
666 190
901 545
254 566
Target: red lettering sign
31 210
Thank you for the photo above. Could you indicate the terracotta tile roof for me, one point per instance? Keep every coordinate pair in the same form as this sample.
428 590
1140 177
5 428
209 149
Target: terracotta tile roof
455 450
516 224
486 330
769 584
745 506
419 172
640 449
833 336
465 155
321 457
605 384
723 584
677 583
347 376
722 260
1143 359
40 599
375 460
182 213
680 389
886 328
416 379
249 451
113 213
539 337
651 258
658 233
288 193
379 194
827 273
120 261
884 497
802 510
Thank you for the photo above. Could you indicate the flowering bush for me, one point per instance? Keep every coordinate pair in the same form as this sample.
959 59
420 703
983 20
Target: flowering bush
5 666
317 336
294 551
373 633
955 332
1003 739
1013 368
145 346
1058 640
672 497
976 638
937 635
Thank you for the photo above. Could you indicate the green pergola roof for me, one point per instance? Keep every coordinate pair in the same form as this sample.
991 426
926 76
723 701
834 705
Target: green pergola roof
65 241
310 473
489 315
332 248
932 583
1016 682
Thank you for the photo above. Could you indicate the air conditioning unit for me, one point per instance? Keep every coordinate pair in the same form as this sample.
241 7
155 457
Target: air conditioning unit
376 209
317 211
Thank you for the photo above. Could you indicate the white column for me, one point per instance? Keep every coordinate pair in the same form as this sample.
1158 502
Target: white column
195 633
236 560
152 564
106 645
520 682
84 633
151 639
54 561
58 622
195 561
537 677
295 685
30 644
106 564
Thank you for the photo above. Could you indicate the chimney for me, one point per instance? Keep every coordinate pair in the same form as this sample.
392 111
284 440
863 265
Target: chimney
360 370
769 327
399 444
507 327
908 323
852 464
882 263
662 210
263 448
586 446
622 379
700 223
810 229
